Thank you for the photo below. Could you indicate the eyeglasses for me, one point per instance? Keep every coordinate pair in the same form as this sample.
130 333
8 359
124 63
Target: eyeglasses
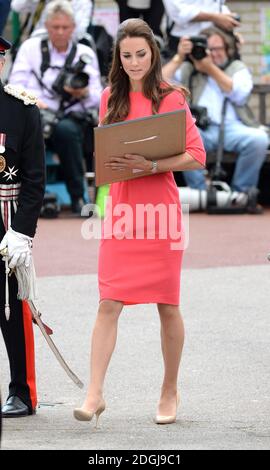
216 49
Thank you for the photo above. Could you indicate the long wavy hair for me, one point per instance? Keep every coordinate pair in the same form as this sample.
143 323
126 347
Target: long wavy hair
154 87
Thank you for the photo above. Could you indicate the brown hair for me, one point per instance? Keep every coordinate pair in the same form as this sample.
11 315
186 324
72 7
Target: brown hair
229 40
154 87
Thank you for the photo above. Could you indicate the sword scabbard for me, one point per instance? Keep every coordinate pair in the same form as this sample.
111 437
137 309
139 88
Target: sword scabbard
53 347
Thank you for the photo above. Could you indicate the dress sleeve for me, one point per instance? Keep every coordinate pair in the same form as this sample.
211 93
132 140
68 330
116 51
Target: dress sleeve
194 143
103 104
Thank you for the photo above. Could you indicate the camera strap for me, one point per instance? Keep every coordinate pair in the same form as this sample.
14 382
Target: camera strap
45 63
193 74
46 59
169 26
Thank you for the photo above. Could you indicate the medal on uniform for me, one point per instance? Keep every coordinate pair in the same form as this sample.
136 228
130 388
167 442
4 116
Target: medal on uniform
2 150
2 142
2 163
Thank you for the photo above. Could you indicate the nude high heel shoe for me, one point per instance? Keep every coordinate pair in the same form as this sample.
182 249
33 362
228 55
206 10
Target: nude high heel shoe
83 415
163 419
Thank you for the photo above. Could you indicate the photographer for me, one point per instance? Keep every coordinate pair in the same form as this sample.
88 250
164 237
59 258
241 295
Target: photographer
35 11
211 79
190 17
50 71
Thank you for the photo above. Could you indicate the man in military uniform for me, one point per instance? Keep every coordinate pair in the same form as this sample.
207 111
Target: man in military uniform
22 176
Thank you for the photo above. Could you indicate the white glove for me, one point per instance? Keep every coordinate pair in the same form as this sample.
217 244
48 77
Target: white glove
19 248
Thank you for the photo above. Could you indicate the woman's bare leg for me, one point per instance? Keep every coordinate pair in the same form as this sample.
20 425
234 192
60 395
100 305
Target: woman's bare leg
102 346
172 340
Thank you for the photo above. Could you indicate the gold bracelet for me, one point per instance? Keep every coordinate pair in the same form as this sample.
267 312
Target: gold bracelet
177 59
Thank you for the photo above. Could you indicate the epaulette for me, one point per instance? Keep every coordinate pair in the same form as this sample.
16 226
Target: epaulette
20 93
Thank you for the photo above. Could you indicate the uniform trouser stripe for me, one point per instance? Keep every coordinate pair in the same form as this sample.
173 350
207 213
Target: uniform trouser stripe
29 353
19 340
18 337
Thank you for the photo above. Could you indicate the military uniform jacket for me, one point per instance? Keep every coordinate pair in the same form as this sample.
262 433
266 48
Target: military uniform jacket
24 160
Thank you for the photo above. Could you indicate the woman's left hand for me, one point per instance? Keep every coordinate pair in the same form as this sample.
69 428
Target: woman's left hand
131 161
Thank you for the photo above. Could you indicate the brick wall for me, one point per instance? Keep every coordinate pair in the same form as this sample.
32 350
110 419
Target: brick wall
103 3
250 12
251 31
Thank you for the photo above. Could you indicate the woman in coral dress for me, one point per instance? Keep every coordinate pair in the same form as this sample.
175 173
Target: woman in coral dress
140 256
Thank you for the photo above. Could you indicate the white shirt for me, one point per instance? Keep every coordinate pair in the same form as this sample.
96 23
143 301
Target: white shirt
139 4
181 12
212 96
29 58
82 14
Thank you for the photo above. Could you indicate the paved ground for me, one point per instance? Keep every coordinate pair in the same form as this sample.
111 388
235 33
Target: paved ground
225 398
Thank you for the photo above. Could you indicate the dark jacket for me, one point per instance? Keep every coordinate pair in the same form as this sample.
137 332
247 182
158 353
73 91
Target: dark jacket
25 159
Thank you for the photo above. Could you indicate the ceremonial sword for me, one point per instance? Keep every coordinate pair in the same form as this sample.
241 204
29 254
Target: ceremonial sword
45 330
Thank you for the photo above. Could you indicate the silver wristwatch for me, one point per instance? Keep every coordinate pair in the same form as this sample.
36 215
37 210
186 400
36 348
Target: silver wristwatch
154 166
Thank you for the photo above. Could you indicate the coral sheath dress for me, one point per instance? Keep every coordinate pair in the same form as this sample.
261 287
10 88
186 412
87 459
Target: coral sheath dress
144 269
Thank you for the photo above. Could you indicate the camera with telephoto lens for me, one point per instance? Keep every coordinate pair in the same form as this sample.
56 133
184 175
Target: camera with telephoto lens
72 76
199 47
49 118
